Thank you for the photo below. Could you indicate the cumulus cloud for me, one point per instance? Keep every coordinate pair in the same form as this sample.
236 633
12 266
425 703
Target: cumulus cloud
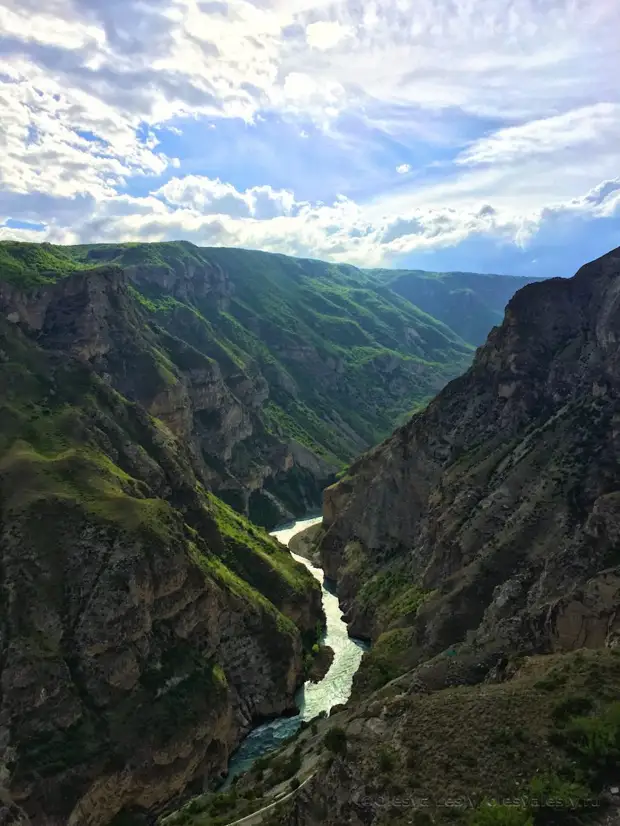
325 35
510 108
212 197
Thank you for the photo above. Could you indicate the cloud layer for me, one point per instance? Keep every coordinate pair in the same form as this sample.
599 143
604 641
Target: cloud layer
382 132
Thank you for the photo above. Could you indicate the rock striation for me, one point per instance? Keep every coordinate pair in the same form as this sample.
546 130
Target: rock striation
491 520
144 625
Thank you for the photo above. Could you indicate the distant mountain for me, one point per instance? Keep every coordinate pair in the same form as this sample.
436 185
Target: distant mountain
467 302
312 363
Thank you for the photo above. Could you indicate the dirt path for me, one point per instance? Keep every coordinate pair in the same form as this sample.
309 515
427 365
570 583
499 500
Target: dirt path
257 817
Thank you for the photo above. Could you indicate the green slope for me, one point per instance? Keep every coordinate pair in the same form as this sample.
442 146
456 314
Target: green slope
469 303
354 354
112 552
339 357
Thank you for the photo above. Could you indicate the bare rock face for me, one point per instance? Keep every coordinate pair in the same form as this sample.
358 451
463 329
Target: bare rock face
498 505
144 626
479 548
212 404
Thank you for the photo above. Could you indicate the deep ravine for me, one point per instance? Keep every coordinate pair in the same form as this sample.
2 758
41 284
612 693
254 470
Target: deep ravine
313 698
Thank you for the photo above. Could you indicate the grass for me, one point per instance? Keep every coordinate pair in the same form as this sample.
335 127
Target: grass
390 656
28 265
88 478
249 549
330 330
537 756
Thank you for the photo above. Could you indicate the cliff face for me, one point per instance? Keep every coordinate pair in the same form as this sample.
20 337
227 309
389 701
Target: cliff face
479 548
279 370
491 520
143 623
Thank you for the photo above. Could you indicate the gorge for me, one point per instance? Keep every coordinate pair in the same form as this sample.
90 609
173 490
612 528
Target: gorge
153 397
478 548
313 699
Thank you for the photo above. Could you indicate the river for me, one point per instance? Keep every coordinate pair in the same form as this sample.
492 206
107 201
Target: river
312 698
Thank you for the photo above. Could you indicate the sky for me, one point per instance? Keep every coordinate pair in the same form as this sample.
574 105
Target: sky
475 135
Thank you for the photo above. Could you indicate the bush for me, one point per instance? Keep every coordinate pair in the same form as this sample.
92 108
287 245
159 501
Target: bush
552 792
490 813
336 740
294 784
387 761
595 742
575 705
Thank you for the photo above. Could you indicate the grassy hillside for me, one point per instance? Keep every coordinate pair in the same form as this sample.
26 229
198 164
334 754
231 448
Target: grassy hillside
325 358
117 567
469 303
344 355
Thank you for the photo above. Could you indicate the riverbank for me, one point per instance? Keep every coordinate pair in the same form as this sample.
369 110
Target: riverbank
305 543
314 698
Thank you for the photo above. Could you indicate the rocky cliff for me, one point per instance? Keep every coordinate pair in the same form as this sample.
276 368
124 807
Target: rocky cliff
491 519
279 370
479 548
143 624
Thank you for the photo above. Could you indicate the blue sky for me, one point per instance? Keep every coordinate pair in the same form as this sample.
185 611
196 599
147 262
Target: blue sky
440 134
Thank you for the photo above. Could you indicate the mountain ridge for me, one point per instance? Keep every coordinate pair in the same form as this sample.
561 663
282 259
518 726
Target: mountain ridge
144 626
537 376
478 547
316 362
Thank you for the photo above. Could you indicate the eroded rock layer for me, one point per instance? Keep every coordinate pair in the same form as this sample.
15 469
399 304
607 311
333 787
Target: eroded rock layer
492 518
144 625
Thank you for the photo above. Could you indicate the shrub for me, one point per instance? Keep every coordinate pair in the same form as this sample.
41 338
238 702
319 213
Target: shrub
336 740
575 705
553 792
294 784
490 813
595 741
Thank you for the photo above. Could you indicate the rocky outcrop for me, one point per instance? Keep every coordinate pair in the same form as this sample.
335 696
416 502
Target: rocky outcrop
211 405
321 664
305 543
144 626
491 519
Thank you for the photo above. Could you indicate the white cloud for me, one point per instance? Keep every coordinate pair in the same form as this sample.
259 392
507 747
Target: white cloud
325 35
210 212
87 83
592 126
209 196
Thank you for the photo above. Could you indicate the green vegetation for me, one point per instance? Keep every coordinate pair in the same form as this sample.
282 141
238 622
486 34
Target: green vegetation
346 358
336 740
98 500
393 591
262 563
28 265
391 597
490 813
213 810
